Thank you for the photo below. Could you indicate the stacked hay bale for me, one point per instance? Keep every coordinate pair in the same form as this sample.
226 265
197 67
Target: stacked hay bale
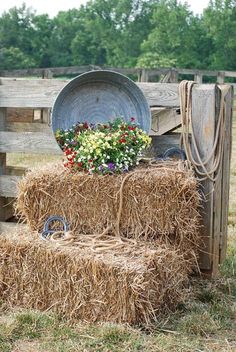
133 242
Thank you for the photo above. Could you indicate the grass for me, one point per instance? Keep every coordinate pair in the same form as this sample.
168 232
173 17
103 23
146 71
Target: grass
205 322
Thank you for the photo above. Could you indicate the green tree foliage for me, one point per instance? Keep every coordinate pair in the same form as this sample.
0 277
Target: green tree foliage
112 32
177 38
40 40
13 58
65 27
124 33
220 22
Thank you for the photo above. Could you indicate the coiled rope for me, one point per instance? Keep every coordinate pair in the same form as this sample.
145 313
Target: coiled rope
209 167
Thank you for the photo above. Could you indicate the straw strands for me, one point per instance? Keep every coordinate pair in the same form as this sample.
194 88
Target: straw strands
79 284
133 242
156 202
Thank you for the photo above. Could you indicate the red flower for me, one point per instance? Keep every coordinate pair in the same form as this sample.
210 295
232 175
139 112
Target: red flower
86 126
90 161
80 164
67 151
131 128
123 140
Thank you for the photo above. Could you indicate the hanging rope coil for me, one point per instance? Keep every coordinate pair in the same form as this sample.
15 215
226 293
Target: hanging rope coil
209 167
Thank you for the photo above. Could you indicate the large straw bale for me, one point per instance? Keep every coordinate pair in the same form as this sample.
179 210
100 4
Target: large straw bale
158 201
77 283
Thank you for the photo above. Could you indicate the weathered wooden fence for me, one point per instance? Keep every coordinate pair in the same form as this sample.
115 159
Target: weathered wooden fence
36 137
166 75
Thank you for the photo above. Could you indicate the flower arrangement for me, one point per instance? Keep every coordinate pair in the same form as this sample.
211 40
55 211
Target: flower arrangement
103 148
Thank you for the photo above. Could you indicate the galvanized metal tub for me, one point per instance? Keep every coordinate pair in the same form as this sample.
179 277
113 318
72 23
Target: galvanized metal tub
100 96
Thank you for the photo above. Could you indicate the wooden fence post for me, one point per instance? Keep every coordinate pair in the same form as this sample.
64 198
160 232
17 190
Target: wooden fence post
198 78
204 101
174 76
221 77
205 112
226 172
144 75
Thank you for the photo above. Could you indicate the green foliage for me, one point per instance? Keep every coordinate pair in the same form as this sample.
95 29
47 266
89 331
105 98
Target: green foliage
14 58
177 38
125 33
153 60
220 22
65 27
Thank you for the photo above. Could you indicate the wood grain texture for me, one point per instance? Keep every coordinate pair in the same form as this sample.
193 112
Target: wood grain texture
76 70
35 93
225 181
28 127
164 120
39 93
20 115
8 185
203 113
15 170
217 202
28 142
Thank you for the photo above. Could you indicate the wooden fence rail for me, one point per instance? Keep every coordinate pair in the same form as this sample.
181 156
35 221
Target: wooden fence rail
143 74
163 99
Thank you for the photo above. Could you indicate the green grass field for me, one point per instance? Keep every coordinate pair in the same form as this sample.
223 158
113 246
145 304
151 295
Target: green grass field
205 322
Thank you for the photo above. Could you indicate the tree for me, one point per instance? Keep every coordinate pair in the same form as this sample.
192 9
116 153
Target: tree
13 58
177 38
41 40
16 29
112 32
66 25
220 23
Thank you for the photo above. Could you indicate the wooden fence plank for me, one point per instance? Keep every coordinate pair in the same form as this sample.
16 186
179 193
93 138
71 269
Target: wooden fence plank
8 185
28 127
15 170
20 115
37 93
28 142
42 93
76 70
225 182
164 120
217 203
203 115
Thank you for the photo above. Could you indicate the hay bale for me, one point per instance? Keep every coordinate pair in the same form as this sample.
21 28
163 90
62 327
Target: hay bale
157 202
129 287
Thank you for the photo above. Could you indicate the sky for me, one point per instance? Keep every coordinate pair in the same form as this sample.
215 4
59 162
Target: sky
54 6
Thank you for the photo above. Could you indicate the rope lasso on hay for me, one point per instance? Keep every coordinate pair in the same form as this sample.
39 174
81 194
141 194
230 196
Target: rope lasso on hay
111 238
